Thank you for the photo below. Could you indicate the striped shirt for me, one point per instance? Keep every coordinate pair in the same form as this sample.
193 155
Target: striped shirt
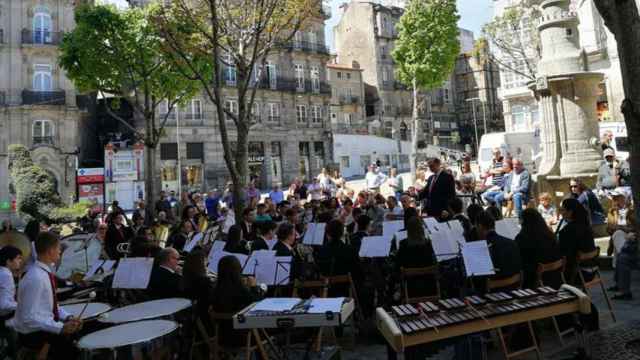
498 179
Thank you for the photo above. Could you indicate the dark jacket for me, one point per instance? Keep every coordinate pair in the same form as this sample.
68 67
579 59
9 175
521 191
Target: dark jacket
147 217
416 256
164 284
259 244
177 241
534 251
337 258
114 237
237 248
436 199
200 290
505 255
249 235
571 239
230 301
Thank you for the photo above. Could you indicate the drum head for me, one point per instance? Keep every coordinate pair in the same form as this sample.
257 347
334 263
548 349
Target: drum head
92 310
127 334
145 310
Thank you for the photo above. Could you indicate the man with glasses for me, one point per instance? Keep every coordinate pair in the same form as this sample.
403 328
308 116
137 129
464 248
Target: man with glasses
516 187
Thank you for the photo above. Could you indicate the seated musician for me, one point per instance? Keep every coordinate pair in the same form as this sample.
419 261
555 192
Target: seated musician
473 211
505 253
180 237
38 320
190 213
537 245
117 233
267 239
196 284
231 295
248 224
10 265
337 258
286 240
235 242
363 229
165 282
574 235
415 252
101 235
455 208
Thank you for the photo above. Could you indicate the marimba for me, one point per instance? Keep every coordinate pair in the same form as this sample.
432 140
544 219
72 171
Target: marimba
248 319
414 324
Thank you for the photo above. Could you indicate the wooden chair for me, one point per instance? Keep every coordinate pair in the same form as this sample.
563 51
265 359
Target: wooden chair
201 336
597 279
554 267
319 288
511 283
406 274
254 342
358 317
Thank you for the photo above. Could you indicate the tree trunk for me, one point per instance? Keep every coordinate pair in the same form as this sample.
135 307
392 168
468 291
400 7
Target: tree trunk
623 20
150 187
415 134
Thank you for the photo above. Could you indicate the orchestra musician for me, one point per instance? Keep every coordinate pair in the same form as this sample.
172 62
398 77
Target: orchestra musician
416 252
165 281
248 224
537 246
10 265
180 237
504 252
337 258
43 328
235 242
197 286
117 233
267 238
190 213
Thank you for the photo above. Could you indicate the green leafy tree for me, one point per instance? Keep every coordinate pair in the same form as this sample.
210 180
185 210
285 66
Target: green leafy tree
118 52
36 194
425 52
240 35
622 18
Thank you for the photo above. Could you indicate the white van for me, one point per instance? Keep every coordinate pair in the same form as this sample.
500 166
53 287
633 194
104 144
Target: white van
620 142
523 145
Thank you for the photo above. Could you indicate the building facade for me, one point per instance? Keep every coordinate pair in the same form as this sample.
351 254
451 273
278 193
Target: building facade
38 103
347 114
291 135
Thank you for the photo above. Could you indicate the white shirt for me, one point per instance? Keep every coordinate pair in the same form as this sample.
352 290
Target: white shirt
374 180
7 291
515 181
35 303
315 191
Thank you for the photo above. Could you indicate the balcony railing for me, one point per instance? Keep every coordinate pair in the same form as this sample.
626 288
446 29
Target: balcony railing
348 100
274 119
291 85
31 97
306 46
41 37
192 116
1 36
43 140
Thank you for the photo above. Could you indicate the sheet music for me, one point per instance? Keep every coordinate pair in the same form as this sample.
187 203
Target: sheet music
509 227
256 258
133 273
432 224
105 266
214 259
276 304
321 306
456 227
389 228
274 271
401 235
217 246
477 259
375 246
444 245
271 243
229 221
193 242
314 234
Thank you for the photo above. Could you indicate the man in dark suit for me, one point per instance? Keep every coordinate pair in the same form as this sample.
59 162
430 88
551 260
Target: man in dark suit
248 224
143 213
439 191
165 282
505 253
266 239
117 233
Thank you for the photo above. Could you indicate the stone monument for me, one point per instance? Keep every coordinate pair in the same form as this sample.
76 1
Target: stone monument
567 93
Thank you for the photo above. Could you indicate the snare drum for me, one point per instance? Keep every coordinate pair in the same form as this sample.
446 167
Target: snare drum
145 310
93 309
143 340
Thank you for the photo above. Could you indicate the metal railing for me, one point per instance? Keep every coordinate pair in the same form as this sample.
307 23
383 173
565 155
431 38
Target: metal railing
41 37
347 100
43 140
305 46
33 97
274 119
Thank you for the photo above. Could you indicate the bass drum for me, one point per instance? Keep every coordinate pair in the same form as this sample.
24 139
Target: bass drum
143 340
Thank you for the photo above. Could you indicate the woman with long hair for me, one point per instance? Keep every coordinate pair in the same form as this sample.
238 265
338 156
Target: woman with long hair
415 252
196 284
537 245
235 243
574 235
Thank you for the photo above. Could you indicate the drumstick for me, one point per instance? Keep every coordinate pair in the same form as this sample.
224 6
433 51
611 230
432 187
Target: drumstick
424 316
476 311
92 295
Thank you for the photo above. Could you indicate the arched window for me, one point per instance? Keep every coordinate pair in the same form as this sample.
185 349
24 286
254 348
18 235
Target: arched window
42 77
41 26
42 132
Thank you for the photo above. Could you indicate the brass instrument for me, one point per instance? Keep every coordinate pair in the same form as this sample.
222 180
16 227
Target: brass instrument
203 223
19 240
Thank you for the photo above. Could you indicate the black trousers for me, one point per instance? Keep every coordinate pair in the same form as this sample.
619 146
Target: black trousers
60 347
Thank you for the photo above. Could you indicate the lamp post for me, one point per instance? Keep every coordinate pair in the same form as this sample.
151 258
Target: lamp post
475 122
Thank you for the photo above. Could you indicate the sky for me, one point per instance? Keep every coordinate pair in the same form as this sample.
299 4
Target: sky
473 14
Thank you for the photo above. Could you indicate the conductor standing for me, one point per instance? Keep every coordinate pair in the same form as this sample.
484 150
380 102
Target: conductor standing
440 189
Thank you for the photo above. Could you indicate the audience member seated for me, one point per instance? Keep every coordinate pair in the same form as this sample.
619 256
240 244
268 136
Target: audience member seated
574 235
165 282
515 188
620 222
537 245
547 210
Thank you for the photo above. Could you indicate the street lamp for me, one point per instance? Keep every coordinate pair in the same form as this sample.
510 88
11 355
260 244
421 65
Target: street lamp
475 123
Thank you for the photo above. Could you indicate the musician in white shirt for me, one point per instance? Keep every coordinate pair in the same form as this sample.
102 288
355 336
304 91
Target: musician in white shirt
10 264
38 318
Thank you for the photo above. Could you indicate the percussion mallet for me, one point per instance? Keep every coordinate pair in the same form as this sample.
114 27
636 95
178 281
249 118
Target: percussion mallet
92 295
476 311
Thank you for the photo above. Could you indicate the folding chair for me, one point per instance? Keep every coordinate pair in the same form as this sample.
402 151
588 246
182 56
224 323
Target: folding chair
254 342
554 267
511 283
318 288
583 266
430 273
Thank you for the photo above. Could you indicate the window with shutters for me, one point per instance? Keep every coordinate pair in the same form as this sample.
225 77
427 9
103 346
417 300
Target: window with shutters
42 132
230 70
195 151
168 151
272 75
315 79
299 71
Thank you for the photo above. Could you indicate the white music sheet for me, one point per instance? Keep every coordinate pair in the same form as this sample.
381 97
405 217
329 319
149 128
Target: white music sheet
276 304
217 246
432 224
456 227
133 273
375 246
214 259
445 245
314 234
193 242
100 267
389 228
477 259
271 243
509 227
274 271
256 258
401 235
321 306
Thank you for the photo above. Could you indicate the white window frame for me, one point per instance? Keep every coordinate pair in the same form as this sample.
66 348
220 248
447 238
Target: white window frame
41 26
43 133
316 112
44 70
274 112
313 40
301 114
231 74
299 73
232 106
272 74
255 111
315 79
196 109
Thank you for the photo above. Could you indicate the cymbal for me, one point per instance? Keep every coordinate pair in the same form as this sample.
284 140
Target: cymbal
17 239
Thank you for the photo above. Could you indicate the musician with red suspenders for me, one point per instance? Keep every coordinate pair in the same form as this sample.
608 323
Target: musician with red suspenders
43 326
